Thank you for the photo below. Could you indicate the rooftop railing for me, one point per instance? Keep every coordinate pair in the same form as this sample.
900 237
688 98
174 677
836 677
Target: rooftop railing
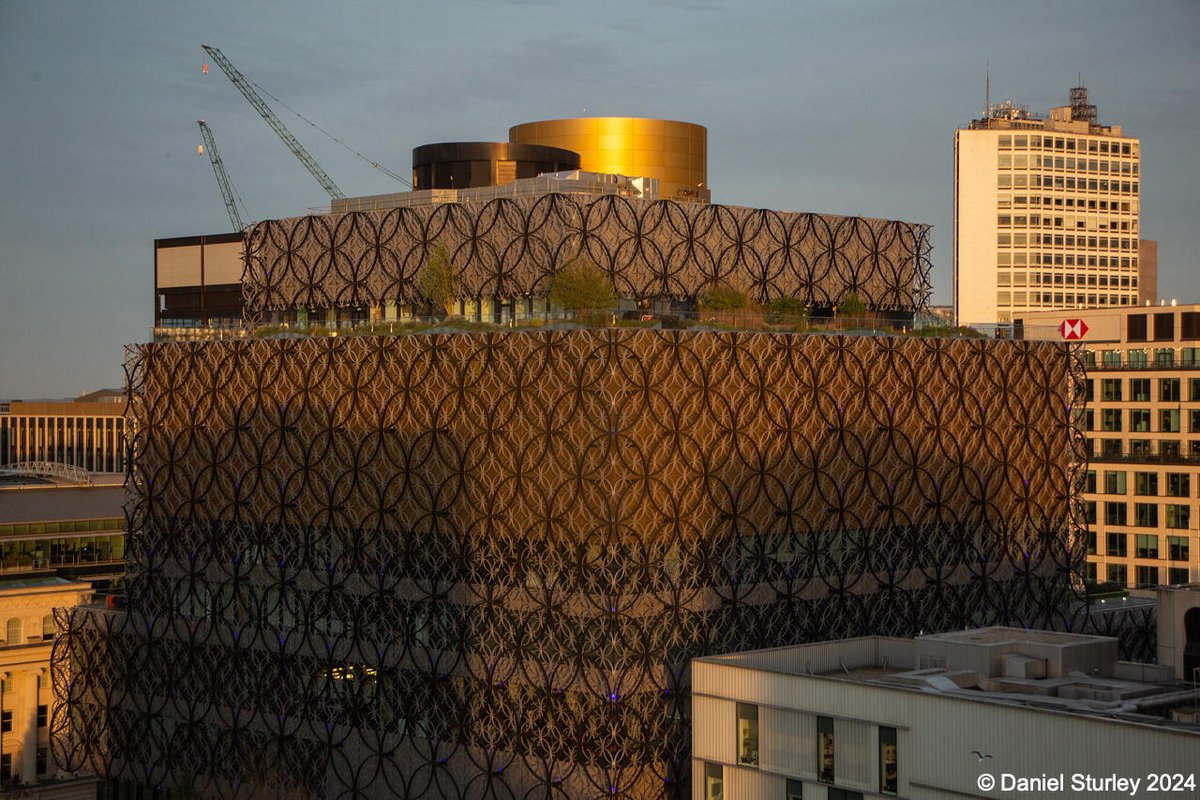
729 320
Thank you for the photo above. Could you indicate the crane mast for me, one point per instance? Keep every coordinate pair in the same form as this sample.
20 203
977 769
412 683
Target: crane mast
210 144
243 85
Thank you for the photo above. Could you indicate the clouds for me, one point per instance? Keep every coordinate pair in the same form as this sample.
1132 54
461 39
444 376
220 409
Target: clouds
822 106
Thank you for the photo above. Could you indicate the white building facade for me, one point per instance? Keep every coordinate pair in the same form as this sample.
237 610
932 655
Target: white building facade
938 717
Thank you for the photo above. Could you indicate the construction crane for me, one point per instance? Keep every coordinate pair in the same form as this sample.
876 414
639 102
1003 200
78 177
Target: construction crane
243 85
227 190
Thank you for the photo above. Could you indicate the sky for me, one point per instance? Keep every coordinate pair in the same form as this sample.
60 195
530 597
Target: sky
837 106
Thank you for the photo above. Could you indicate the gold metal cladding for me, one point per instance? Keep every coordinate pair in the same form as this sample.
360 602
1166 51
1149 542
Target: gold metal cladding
468 565
509 248
674 152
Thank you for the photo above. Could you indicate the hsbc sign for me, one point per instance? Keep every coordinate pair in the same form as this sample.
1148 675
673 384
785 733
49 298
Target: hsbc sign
1073 328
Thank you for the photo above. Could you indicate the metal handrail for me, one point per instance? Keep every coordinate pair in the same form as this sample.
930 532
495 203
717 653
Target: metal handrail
49 469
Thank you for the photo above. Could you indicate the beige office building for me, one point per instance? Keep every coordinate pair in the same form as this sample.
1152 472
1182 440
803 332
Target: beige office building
1046 213
87 433
1143 430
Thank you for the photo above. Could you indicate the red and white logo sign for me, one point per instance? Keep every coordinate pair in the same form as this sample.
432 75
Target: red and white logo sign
1073 328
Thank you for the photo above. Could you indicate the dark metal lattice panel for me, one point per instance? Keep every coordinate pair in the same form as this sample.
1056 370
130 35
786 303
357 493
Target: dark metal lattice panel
477 565
652 249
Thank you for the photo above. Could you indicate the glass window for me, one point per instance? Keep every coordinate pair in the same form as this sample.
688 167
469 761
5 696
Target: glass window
1179 517
1145 515
1168 420
1139 447
1110 419
1089 481
6 721
1137 359
1194 420
1139 420
1091 543
1114 482
14 631
1178 484
1145 483
1147 577
1115 514
1177 575
1110 448
1135 327
1118 574
1164 326
795 789
1110 358
889 779
1189 325
1089 512
747 734
43 715
1178 548
1168 449
1118 546
1168 390
1194 391
1110 389
1164 357
713 783
48 629
1146 545
825 750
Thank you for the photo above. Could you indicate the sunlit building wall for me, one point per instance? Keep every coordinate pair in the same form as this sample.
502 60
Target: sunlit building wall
1046 214
676 153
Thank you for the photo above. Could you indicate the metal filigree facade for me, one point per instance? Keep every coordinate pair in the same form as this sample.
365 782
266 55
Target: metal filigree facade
662 249
476 565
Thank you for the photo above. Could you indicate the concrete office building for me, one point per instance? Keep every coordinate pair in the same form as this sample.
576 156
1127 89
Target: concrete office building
87 433
1046 213
1143 430
930 717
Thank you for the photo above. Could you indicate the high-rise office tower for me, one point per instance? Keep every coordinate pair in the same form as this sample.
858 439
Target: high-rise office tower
1046 213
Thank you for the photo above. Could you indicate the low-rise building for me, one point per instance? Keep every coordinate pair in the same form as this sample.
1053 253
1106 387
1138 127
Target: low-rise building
87 433
27 606
992 712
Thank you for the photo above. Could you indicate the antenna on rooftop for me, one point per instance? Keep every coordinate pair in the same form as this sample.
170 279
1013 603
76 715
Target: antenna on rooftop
987 89
1080 108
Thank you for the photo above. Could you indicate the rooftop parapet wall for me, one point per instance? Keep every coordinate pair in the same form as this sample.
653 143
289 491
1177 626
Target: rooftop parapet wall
664 249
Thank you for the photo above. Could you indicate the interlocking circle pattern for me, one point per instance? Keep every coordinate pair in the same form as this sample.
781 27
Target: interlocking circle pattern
509 248
477 565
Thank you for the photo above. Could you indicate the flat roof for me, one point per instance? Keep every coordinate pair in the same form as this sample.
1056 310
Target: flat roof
53 503
40 583
1000 634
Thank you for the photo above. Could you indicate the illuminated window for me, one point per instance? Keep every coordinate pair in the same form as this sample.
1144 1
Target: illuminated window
889 779
825 753
713 782
747 735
